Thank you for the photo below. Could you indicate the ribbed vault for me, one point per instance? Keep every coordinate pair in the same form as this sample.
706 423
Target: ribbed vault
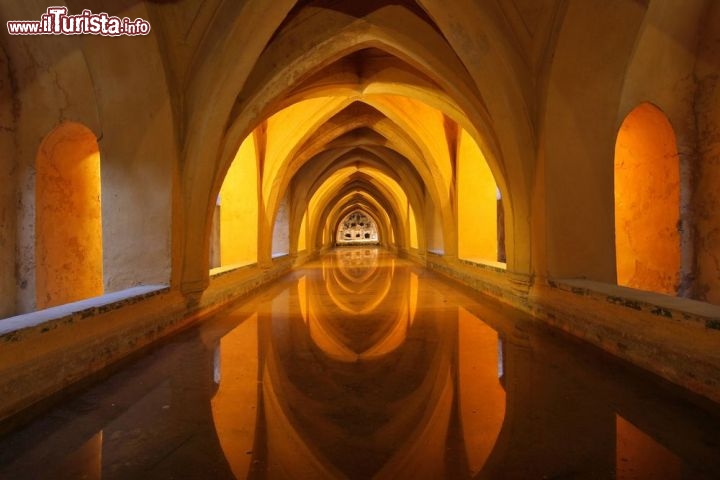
345 100
487 139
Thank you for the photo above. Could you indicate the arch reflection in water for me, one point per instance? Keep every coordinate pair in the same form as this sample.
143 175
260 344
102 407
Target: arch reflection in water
363 383
361 307
234 405
402 376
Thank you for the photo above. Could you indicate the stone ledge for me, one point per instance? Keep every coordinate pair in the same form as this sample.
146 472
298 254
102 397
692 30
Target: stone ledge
485 264
41 361
12 327
655 303
220 271
235 283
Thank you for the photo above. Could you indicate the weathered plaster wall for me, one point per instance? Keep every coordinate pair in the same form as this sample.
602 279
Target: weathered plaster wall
139 155
123 99
706 201
584 86
52 85
8 191
661 72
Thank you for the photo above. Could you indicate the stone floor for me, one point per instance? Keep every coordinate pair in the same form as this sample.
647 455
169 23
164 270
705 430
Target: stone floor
362 365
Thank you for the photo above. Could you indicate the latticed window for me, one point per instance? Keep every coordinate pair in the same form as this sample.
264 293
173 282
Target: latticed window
357 227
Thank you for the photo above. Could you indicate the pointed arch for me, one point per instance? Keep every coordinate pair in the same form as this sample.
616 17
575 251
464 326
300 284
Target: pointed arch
323 37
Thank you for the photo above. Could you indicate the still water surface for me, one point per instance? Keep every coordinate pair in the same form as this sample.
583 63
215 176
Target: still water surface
362 365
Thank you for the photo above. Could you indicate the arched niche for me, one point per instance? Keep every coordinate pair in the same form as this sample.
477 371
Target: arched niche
68 219
647 202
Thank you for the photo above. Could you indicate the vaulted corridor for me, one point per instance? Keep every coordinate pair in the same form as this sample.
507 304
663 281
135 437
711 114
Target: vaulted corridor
362 365
163 161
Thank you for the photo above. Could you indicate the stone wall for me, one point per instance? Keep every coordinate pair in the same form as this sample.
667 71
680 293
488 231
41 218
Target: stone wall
706 201
8 192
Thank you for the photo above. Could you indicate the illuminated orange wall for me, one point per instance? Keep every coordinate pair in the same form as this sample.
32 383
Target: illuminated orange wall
477 203
68 226
239 208
647 196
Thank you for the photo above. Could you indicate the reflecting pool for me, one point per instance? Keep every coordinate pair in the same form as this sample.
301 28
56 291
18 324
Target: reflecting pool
362 365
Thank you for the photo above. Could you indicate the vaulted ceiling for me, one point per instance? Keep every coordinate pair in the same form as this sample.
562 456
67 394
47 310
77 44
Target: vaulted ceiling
381 88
